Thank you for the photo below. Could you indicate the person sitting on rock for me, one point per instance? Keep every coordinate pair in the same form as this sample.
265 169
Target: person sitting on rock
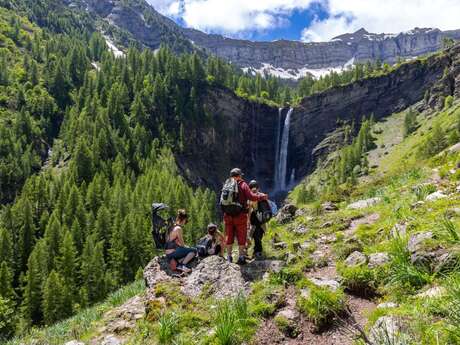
212 243
234 202
175 246
257 228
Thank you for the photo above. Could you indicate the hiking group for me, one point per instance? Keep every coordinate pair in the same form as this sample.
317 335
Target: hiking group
245 213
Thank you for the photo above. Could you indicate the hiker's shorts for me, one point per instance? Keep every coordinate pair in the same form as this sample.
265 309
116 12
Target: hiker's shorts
180 252
236 226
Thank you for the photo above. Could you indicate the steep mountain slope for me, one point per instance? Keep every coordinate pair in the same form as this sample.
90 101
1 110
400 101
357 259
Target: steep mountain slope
286 59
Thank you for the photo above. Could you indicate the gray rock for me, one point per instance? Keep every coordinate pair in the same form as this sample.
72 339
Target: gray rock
280 245
301 230
258 268
378 259
329 283
286 214
157 271
355 259
433 292
111 340
360 204
329 206
290 314
290 258
436 196
221 278
74 342
416 241
292 317
387 305
454 148
399 230
386 330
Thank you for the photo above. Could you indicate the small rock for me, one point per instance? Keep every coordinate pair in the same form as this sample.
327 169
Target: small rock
434 292
290 258
399 230
378 259
320 258
417 204
386 327
301 230
289 314
300 212
326 239
387 305
360 204
305 293
74 342
454 148
328 224
416 241
355 259
305 246
329 206
111 340
329 283
436 196
280 245
290 319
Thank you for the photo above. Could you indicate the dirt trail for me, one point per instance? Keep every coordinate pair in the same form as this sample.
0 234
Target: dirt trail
344 331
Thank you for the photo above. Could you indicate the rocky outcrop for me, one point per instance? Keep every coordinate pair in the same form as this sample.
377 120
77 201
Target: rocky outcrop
360 46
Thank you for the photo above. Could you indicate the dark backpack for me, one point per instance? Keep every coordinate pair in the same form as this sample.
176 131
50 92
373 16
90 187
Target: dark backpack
229 198
264 212
203 246
160 227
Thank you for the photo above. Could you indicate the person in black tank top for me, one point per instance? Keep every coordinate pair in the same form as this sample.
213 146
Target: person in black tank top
175 246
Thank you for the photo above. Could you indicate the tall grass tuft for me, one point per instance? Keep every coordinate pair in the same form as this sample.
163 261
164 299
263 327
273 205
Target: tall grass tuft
402 272
449 306
167 324
231 318
450 229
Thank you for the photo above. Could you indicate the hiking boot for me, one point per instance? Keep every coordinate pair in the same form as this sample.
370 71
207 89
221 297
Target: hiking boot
241 260
184 268
229 259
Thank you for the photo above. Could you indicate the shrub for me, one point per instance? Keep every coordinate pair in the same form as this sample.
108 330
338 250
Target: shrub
448 101
321 305
410 122
434 143
359 280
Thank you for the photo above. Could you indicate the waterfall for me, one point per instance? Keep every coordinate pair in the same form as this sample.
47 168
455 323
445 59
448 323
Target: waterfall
277 154
281 160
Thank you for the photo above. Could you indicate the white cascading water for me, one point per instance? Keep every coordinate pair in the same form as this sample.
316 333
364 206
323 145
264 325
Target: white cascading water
277 154
281 168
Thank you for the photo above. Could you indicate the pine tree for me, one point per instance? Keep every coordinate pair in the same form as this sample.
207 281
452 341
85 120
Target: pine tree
26 233
6 282
53 298
32 296
6 247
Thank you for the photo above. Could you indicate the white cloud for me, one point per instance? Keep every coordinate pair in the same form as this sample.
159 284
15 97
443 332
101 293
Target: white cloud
241 17
231 16
389 16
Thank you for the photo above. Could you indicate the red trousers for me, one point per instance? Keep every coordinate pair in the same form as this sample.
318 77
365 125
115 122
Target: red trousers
236 226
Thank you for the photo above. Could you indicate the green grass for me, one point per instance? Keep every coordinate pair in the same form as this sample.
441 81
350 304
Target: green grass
321 305
80 325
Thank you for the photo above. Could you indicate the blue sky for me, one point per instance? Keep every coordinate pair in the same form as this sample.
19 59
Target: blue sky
308 20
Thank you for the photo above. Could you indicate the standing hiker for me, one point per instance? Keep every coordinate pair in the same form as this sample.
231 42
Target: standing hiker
234 202
175 245
256 225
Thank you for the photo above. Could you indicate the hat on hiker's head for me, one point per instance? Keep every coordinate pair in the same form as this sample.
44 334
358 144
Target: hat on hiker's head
212 227
236 172
253 184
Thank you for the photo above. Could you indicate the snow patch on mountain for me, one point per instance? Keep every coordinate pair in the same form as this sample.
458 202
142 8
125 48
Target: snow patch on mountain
295 74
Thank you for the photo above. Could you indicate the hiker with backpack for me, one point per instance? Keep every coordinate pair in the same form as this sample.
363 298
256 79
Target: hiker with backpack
258 217
234 202
175 248
212 243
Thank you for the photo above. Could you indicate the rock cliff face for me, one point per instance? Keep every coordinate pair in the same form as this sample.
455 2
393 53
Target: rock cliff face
359 46
244 133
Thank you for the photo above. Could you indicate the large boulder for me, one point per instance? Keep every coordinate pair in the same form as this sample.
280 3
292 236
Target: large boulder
355 259
221 279
157 271
286 214
360 204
